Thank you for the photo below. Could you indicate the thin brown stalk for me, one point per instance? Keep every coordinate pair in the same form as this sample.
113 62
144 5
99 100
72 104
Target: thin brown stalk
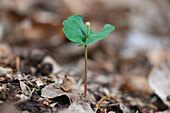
85 55
85 84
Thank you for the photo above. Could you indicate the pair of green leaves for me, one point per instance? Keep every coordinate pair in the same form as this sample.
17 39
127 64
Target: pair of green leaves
76 31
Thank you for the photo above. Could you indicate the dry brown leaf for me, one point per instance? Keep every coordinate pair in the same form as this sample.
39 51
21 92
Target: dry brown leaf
159 81
53 90
67 84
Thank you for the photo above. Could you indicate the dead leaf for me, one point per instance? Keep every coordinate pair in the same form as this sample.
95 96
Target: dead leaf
67 84
159 82
51 91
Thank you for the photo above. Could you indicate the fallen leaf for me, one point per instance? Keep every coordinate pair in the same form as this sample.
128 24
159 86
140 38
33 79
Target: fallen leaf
67 84
159 82
51 91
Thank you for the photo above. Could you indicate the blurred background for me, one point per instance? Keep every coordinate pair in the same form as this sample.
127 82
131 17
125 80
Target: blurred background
140 25
140 41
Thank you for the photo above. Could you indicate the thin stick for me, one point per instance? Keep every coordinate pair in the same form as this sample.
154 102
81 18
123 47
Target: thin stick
101 100
85 55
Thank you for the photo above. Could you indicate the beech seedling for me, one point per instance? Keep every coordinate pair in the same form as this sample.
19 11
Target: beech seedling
76 31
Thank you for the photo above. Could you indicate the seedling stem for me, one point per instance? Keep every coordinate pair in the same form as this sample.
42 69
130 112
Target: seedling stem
85 55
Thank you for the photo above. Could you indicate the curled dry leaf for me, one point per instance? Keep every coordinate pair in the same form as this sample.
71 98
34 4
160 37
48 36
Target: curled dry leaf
159 82
67 84
53 91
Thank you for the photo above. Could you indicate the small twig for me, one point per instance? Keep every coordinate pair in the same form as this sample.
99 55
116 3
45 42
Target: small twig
26 78
31 92
101 100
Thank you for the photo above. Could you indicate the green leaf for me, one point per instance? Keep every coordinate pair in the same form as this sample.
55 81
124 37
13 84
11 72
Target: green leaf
75 30
100 35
